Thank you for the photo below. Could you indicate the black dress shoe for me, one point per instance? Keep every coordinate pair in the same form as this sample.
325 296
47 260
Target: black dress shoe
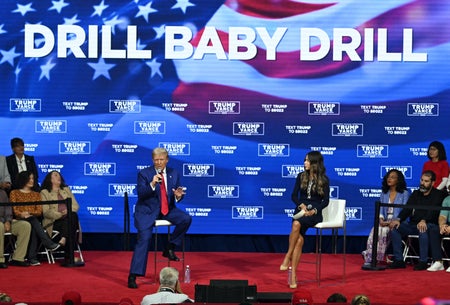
132 282
19 263
421 266
170 255
397 265
3 266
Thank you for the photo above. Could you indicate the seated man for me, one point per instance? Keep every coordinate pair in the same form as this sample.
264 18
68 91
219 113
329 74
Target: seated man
18 228
169 291
444 220
159 191
420 222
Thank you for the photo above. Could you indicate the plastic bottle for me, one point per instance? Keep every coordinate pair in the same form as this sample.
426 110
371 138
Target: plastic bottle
187 274
289 279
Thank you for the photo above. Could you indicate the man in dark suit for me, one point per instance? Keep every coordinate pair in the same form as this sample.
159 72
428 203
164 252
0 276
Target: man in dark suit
19 162
152 183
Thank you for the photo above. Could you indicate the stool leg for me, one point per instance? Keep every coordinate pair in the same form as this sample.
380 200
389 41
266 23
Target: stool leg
168 243
155 251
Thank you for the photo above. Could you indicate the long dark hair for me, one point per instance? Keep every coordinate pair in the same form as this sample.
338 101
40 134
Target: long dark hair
47 183
441 150
23 178
401 183
317 171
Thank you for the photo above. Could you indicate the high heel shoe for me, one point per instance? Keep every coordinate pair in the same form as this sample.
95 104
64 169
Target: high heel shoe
285 264
293 284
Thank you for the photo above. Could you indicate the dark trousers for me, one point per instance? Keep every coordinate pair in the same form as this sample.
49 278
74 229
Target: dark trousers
429 238
62 226
38 234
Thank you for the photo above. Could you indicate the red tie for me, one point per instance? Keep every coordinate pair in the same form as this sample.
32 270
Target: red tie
164 202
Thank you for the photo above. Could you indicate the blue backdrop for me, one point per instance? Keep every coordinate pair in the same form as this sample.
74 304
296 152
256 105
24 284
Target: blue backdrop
238 94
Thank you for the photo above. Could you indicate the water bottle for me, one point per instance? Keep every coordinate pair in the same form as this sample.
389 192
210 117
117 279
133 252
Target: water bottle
187 274
289 279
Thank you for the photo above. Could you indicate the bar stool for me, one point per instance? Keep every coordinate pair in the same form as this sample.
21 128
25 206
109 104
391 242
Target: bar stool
409 252
168 224
445 257
9 245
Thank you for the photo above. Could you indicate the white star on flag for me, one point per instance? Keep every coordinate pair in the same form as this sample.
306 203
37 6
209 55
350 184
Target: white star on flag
183 5
72 20
101 69
45 70
8 56
145 10
159 31
98 9
58 6
24 9
154 67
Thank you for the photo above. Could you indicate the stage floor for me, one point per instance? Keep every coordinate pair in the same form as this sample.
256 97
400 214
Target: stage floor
104 278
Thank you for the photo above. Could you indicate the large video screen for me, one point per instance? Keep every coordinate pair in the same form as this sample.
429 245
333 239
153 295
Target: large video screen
237 91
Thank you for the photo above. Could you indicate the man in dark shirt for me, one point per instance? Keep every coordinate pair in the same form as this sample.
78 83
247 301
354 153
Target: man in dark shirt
418 222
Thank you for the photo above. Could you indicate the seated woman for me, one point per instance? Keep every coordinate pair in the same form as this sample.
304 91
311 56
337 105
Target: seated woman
55 215
31 213
393 191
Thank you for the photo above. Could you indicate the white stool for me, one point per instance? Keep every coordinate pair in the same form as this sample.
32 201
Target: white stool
168 224
409 252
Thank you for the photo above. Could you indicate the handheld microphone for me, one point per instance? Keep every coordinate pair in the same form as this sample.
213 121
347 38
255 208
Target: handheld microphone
159 171
302 212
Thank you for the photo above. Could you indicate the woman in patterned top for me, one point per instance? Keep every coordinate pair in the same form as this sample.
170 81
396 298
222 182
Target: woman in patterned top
32 214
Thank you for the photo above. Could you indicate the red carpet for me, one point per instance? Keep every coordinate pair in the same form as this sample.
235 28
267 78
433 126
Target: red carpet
103 278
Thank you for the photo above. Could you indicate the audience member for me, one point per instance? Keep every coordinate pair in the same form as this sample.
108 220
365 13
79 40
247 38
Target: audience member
337 298
158 190
393 191
31 213
438 164
310 195
5 178
19 162
360 299
169 291
302 297
444 220
54 188
448 185
19 228
4 297
421 222
71 298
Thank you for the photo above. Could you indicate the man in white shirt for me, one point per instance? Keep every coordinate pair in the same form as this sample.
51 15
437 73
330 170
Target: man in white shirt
169 291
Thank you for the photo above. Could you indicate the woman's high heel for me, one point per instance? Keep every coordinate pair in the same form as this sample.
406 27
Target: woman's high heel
293 283
285 265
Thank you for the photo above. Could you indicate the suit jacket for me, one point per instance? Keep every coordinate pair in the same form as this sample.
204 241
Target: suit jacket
148 206
14 170
401 198
50 211
4 172
6 213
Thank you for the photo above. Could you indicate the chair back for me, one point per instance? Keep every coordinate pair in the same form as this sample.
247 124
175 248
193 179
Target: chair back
334 214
